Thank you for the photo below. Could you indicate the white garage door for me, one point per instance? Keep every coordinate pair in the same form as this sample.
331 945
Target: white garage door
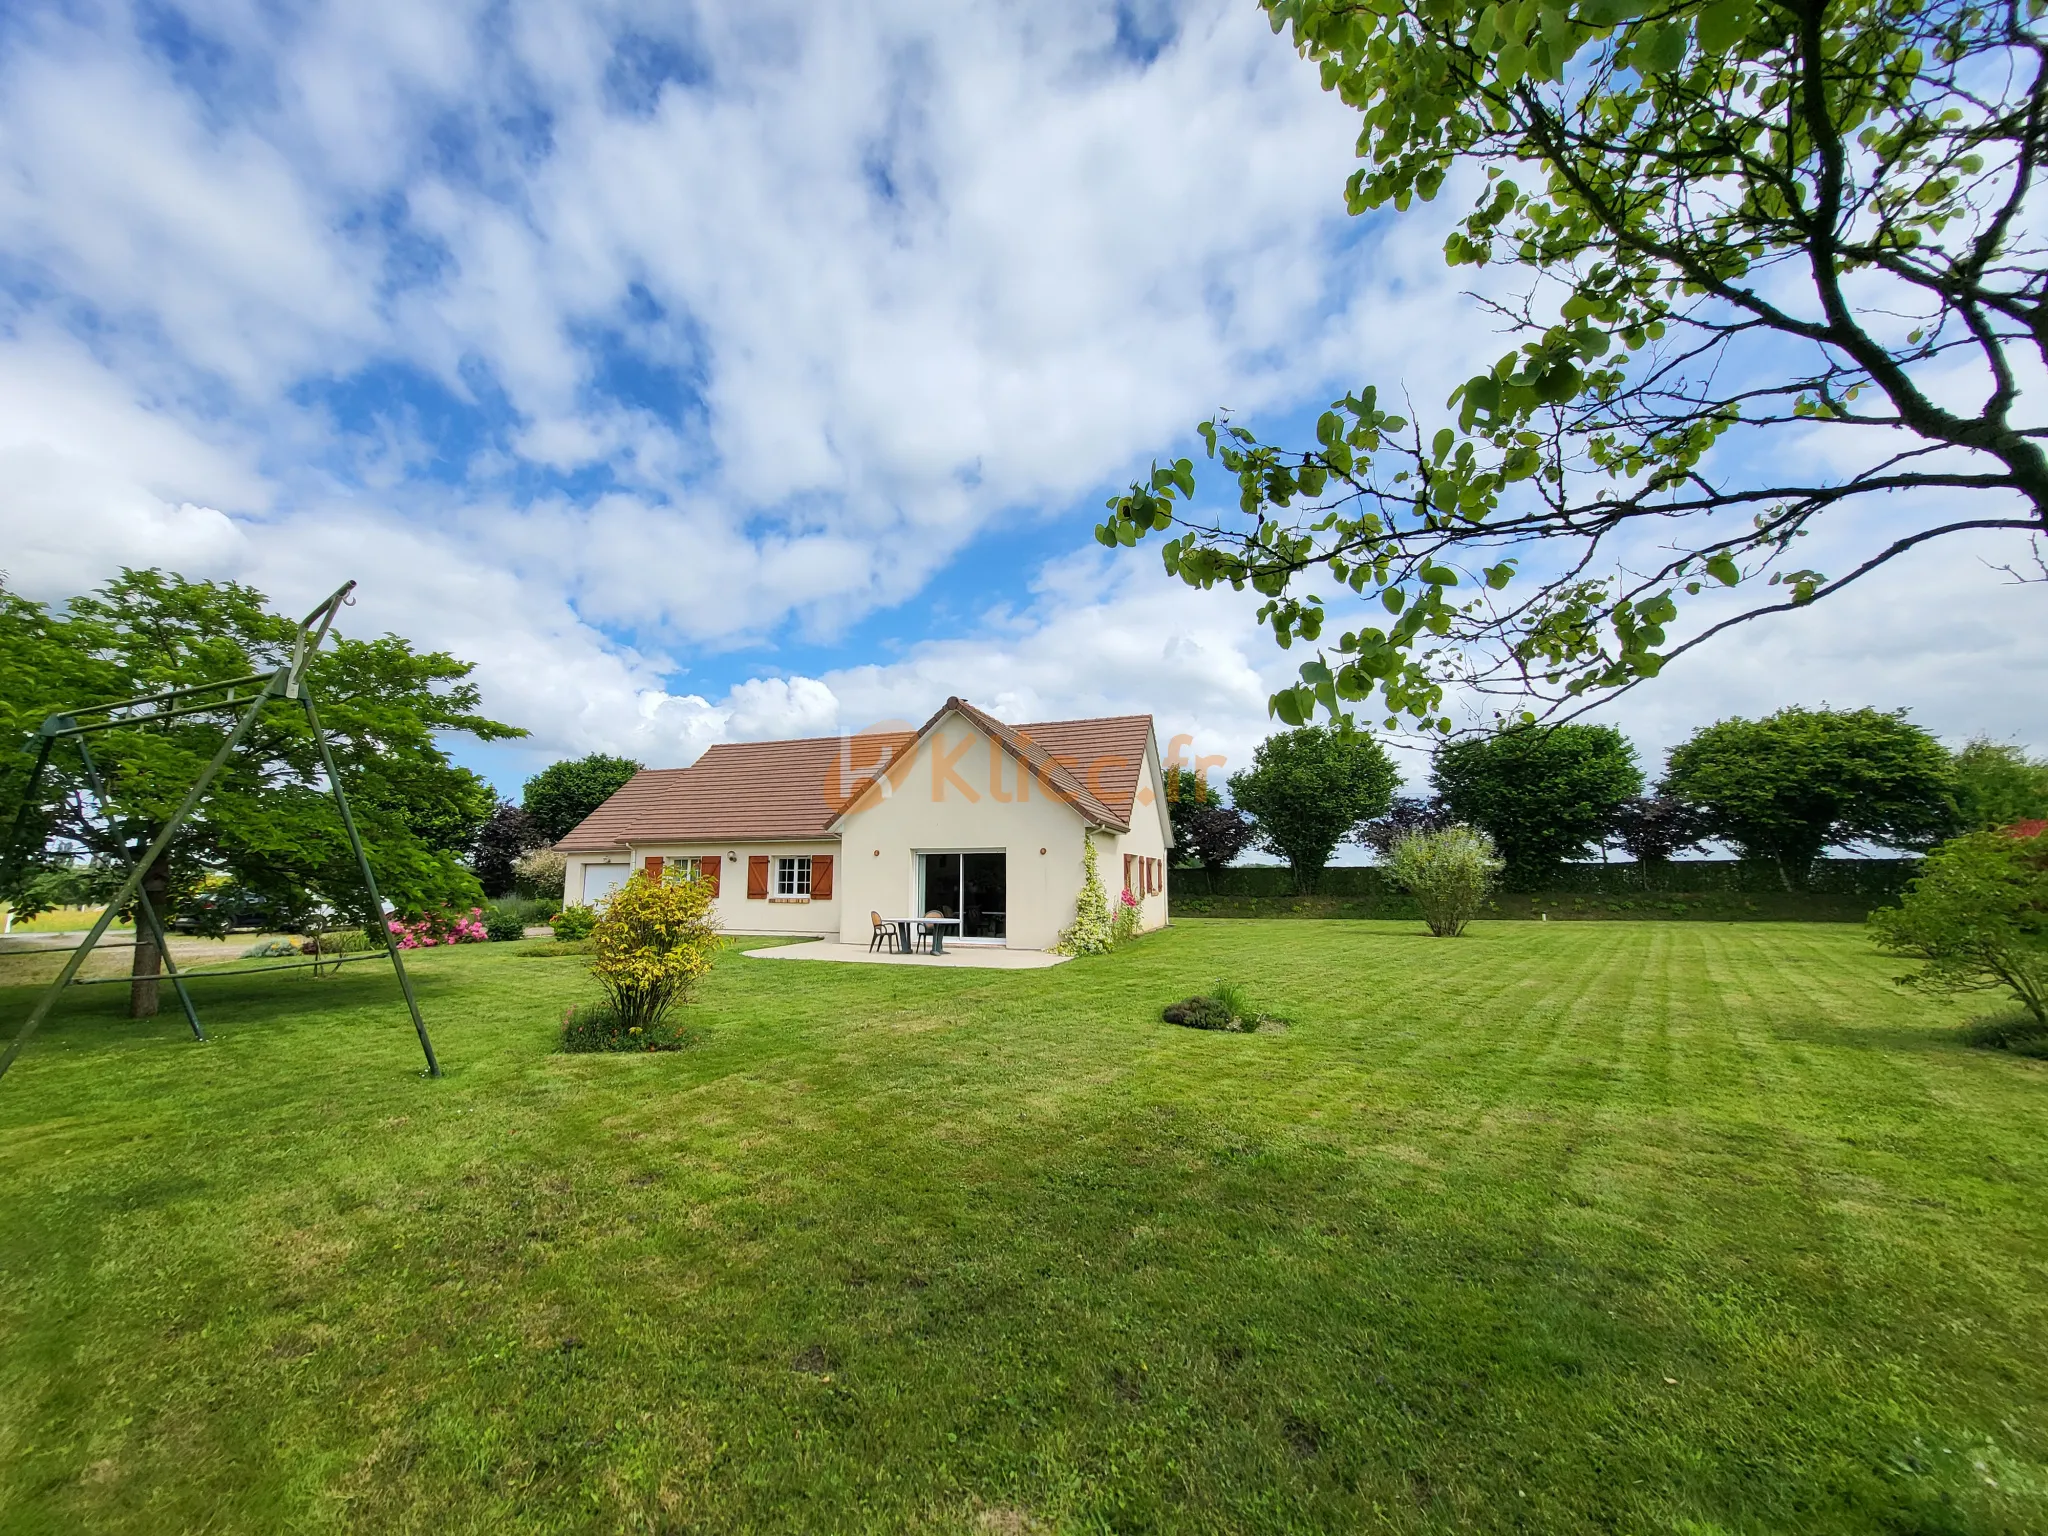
600 880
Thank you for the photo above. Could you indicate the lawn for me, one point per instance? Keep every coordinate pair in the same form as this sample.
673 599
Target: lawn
1558 1227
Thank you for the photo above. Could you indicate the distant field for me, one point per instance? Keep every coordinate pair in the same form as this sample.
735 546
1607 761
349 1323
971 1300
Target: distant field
1683 1227
60 920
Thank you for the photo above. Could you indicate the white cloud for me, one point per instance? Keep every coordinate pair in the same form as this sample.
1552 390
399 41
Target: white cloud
908 269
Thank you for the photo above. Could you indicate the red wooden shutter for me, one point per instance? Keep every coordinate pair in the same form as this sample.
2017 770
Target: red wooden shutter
757 877
821 877
1129 860
653 866
710 869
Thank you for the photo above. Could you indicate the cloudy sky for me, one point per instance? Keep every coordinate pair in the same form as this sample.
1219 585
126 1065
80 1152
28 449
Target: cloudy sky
747 370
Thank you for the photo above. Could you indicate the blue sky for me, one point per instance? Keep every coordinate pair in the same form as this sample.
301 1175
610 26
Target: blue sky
726 371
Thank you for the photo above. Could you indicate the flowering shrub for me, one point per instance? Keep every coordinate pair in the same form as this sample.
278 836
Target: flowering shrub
437 928
1091 932
655 939
1128 915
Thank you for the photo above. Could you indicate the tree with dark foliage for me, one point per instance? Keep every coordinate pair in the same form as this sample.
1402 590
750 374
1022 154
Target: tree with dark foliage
509 833
1405 815
1657 828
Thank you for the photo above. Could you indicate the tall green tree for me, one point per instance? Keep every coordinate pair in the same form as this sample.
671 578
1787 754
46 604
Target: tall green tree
1785 788
1308 788
1749 241
562 794
267 820
1997 784
1544 793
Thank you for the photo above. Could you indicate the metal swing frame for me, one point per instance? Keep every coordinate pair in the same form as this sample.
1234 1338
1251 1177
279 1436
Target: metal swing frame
76 725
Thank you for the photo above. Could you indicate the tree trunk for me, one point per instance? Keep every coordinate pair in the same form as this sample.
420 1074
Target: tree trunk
148 961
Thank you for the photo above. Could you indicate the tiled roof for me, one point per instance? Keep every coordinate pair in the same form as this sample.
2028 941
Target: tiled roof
797 789
741 790
1109 754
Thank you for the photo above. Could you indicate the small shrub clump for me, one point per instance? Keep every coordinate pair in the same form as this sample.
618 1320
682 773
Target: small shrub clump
1448 872
574 923
1225 1007
270 949
1201 1013
341 941
598 1027
502 927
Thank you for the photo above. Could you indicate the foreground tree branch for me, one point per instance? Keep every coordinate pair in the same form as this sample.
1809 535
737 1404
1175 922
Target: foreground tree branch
1658 172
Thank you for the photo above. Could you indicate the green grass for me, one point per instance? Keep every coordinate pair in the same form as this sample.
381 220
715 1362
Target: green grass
1557 1227
62 920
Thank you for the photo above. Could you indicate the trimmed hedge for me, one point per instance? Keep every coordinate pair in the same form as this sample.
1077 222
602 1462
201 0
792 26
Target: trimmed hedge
1722 890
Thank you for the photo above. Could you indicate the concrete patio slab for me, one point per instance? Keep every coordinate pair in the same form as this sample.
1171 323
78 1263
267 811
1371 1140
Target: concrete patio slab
966 958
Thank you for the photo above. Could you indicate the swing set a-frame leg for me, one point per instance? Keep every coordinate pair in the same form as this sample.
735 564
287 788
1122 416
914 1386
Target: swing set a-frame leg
377 913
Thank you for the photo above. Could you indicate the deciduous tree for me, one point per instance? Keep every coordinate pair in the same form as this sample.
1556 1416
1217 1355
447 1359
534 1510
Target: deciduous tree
1977 917
1774 264
1545 793
1997 784
1308 788
1785 788
500 843
562 794
267 820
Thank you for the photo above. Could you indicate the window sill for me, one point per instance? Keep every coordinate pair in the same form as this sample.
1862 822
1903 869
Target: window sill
790 901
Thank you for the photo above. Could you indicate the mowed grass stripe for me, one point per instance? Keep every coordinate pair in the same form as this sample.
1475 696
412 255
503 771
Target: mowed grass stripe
921 1250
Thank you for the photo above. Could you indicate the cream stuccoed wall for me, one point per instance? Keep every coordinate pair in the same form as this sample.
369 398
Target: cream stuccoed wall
735 913
1145 840
959 792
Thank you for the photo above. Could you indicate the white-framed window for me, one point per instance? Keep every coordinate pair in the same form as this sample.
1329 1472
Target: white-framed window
793 875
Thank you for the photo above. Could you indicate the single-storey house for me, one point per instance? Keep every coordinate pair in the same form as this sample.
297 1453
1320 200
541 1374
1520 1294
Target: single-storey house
966 817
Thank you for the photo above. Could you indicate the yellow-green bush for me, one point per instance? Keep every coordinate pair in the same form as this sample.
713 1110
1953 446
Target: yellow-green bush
654 939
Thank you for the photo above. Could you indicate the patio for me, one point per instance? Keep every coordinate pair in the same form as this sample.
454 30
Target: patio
971 957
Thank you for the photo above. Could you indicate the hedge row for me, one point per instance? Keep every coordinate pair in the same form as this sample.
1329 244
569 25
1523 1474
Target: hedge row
1723 890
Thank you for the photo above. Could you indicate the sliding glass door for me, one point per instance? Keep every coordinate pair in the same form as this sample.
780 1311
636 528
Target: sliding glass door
969 886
